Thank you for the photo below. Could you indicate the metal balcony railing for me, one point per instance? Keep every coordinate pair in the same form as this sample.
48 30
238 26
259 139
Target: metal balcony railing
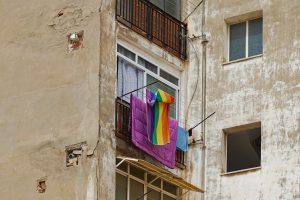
122 128
155 24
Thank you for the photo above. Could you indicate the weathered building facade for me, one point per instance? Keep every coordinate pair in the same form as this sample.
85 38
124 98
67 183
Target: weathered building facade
65 109
262 90
51 96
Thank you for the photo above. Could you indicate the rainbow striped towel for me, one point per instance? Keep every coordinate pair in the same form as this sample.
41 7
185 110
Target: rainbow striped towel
158 109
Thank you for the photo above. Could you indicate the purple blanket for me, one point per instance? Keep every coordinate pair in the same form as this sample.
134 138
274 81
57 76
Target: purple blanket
165 153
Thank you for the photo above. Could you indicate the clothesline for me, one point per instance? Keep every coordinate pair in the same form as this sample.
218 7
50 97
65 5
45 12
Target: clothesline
180 119
136 90
142 95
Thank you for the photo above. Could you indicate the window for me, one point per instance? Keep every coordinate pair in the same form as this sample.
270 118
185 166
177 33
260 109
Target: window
243 147
133 182
245 39
135 72
172 7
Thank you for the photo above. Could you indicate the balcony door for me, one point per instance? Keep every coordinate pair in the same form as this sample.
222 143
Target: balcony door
172 7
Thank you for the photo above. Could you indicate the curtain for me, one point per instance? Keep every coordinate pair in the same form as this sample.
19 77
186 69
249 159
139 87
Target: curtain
129 78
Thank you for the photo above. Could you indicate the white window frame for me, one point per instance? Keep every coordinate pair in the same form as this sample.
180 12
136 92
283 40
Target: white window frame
128 176
173 72
247 39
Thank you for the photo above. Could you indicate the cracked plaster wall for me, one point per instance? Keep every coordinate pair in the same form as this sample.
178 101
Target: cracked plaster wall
49 98
262 89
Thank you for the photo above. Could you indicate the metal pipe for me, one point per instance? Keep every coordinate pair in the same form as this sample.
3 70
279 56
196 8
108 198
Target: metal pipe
203 96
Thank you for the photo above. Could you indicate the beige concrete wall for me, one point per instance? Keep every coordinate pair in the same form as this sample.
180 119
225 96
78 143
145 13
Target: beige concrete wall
49 98
193 96
262 89
108 73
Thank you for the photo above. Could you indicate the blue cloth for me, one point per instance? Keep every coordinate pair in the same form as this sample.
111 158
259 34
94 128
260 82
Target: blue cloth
182 139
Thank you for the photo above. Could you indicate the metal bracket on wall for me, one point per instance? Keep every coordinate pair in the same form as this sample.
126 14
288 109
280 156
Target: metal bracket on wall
190 131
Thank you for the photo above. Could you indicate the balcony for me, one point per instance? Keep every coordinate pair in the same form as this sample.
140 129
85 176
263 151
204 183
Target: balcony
155 24
122 128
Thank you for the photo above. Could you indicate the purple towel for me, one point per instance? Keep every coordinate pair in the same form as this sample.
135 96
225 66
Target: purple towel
166 153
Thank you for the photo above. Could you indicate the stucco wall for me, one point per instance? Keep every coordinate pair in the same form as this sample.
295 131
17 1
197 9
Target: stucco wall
262 89
49 98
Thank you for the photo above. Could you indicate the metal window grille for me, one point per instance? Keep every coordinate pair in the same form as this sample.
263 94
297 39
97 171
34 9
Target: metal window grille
155 24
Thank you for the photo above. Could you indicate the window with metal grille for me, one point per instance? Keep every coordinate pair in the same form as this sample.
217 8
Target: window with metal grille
158 21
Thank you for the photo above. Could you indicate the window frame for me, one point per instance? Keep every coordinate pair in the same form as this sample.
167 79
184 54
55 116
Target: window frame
154 75
236 130
246 39
145 183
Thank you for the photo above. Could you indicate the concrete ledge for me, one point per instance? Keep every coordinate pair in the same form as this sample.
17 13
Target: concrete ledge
241 171
242 59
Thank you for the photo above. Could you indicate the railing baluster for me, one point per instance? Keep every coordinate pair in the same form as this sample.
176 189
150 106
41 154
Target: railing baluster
123 10
149 22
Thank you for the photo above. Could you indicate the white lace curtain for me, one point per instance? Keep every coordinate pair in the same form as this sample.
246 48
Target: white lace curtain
129 79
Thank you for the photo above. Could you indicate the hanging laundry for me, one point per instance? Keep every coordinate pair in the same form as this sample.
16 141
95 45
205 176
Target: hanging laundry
165 154
158 109
182 139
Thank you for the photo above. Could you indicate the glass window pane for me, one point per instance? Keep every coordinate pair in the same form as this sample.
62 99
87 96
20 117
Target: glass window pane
147 65
153 194
121 187
166 197
159 3
255 37
248 143
129 79
169 77
156 183
172 7
136 189
137 172
165 88
126 52
170 188
237 43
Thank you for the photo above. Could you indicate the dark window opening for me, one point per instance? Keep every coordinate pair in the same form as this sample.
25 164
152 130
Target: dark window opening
243 149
